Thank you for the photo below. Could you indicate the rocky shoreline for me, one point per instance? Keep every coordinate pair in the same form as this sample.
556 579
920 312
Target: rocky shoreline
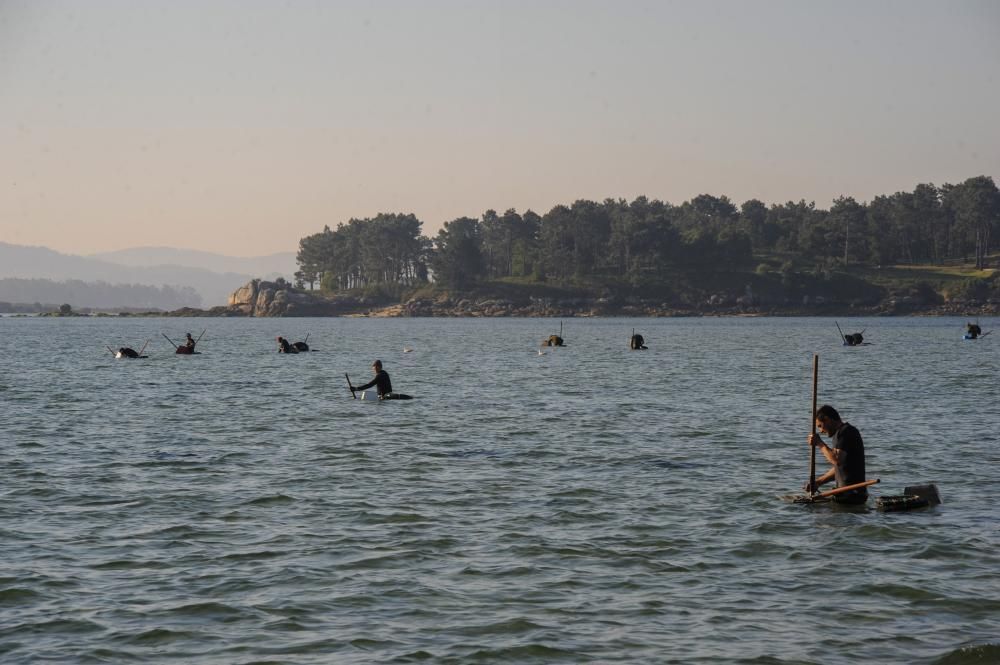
260 298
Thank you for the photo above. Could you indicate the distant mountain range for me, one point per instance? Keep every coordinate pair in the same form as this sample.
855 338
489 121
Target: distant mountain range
212 276
282 264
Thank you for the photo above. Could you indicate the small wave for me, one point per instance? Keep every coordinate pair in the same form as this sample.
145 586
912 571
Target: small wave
524 653
17 596
273 500
576 493
163 455
253 556
394 518
414 657
477 452
368 644
128 564
175 531
668 464
513 626
206 610
378 560
899 591
60 627
105 655
157 636
971 655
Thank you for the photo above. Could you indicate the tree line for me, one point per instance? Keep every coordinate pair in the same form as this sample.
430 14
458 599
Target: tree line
644 237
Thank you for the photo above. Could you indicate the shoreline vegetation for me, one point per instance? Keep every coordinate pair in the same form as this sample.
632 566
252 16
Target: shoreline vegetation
958 290
920 252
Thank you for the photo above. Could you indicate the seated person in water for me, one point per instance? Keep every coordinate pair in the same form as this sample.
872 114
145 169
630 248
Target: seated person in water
847 455
637 342
974 330
285 347
126 352
553 340
382 383
189 342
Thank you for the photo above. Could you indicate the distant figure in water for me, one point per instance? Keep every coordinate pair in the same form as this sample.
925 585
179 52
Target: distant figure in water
382 383
189 342
973 331
285 347
853 340
847 455
637 343
126 352
553 340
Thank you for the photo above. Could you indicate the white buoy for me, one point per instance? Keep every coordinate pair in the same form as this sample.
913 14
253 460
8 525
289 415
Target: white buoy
407 349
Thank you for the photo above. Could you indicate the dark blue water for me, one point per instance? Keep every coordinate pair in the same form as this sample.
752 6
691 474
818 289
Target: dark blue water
585 505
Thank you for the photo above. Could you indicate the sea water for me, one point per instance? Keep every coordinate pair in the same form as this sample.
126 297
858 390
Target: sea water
584 504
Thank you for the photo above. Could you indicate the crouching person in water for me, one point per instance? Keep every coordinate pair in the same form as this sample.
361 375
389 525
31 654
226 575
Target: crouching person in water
382 383
285 347
126 352
553 340
847 455
637 343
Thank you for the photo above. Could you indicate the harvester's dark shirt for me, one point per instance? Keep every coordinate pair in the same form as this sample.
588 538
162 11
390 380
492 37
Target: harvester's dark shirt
381 383
852 469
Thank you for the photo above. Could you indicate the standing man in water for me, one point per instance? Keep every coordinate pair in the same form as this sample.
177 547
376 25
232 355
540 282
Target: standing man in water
382 383
846 454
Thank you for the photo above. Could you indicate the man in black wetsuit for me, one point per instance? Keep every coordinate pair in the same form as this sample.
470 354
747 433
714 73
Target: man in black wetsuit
846 454
382 384
285 347
381 381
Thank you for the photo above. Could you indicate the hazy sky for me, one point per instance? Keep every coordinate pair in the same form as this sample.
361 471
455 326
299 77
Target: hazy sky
239 127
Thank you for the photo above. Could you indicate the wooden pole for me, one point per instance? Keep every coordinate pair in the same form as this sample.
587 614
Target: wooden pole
845 488
143 347
353 396
812 428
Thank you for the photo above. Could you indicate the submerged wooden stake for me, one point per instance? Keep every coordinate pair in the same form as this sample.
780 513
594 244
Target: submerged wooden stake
812 428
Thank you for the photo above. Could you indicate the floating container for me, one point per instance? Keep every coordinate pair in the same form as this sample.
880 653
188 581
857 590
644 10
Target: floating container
917 496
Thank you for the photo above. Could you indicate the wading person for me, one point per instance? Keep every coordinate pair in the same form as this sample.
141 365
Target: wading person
846 453
382 383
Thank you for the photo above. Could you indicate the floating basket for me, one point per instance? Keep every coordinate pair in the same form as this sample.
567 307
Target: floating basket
901 502
917 496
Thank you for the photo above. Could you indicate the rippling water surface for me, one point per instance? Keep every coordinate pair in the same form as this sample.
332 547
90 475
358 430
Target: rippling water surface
588 504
